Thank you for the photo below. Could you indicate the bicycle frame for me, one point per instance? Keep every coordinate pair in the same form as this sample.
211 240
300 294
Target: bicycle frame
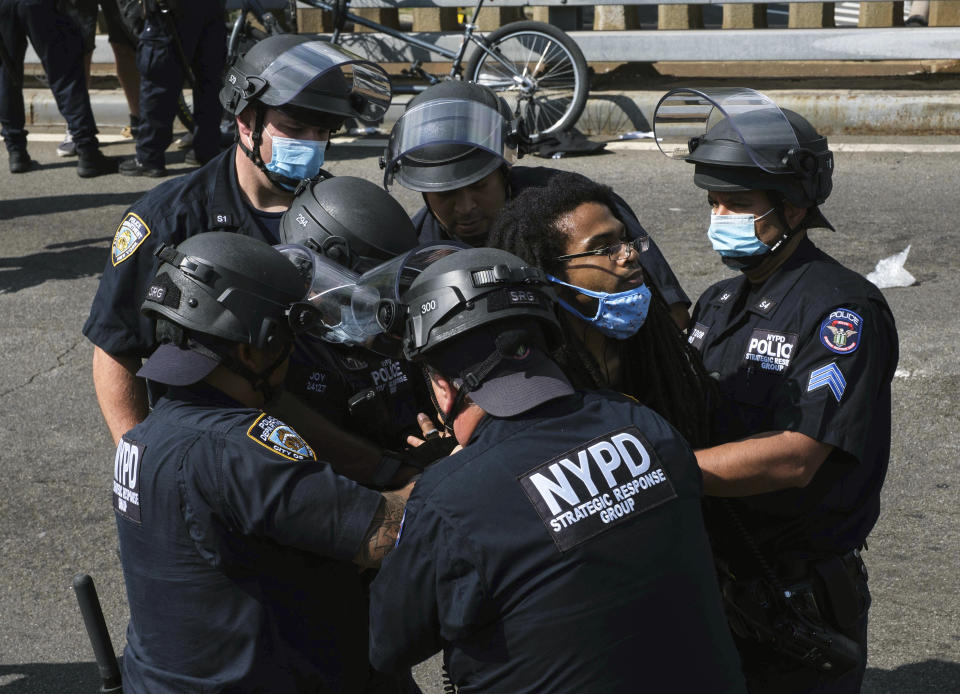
455 56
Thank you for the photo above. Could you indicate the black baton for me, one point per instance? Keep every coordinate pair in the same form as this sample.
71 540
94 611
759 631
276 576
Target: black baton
99 636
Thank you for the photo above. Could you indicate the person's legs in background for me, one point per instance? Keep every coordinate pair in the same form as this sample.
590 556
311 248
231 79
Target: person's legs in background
85 14
12 112
125 59
161 78
205 39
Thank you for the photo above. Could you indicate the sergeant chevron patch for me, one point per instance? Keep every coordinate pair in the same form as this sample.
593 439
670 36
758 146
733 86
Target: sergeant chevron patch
829 376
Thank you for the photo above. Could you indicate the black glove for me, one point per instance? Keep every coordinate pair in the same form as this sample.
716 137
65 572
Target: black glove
419 457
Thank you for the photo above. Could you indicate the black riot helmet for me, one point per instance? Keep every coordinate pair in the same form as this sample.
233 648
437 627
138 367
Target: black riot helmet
451 135
350 220
308 78
739 140
487 320
215 290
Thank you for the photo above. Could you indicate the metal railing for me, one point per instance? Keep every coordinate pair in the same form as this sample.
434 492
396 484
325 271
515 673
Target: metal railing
678 30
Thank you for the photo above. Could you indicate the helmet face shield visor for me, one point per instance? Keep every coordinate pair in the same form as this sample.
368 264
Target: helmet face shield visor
444 131
332 308
360 310
316 76
746 128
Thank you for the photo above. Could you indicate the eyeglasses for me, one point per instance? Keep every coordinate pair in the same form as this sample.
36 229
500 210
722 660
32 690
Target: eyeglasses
616 252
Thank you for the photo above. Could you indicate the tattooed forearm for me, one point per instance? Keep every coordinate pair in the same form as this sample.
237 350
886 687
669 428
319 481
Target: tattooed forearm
384 528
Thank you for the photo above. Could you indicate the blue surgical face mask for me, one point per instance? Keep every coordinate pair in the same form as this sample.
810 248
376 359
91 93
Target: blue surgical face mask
296 159
619 315
735 235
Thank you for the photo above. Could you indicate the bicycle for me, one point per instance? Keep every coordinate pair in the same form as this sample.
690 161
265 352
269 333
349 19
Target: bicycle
538 69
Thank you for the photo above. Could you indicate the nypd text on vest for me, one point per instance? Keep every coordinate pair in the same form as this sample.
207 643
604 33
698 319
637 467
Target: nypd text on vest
597 485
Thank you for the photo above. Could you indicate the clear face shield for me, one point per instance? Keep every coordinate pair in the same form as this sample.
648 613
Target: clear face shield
443 131
756 132
309 73
360 310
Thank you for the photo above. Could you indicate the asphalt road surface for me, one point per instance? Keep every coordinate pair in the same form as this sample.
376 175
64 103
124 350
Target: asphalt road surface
55 453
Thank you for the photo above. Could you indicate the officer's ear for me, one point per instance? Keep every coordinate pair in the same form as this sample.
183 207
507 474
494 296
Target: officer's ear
443 391
245 121
793 214
248 355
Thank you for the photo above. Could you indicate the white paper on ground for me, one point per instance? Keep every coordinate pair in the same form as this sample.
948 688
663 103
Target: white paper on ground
891 273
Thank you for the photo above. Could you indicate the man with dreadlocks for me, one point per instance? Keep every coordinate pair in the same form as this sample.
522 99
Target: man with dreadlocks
456 144
619 333
288 94
565 540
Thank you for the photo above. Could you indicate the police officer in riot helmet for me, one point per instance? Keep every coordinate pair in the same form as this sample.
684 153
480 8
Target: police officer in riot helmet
362 389
239 547
285 113
804 352
457 144
565 536
288 93
350 220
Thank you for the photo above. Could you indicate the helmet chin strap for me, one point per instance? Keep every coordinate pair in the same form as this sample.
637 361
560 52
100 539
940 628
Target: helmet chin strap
279 181
446 420
751 263
260 382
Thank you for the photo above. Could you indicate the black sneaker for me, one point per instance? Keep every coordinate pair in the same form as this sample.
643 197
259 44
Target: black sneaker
20 161
133 167
93 163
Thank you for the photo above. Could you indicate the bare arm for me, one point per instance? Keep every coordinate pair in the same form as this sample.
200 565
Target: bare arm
122 396
762 463
384 529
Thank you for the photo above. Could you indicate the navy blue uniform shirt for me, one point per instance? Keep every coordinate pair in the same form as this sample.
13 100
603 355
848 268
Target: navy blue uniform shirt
208 199
326 376
813 350
236 545
655 266
562 550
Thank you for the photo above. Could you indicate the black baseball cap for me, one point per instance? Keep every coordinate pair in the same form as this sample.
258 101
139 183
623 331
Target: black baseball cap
523 378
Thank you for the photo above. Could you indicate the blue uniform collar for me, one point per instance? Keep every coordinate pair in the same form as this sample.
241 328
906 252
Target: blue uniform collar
766 299
499 427
228 210
205 394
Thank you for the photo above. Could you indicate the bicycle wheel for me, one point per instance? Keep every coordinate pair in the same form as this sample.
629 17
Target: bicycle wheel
544 80
185 113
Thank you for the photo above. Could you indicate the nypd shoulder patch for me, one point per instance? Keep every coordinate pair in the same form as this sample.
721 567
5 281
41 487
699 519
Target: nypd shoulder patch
828 376
840 331
280 438
132 232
